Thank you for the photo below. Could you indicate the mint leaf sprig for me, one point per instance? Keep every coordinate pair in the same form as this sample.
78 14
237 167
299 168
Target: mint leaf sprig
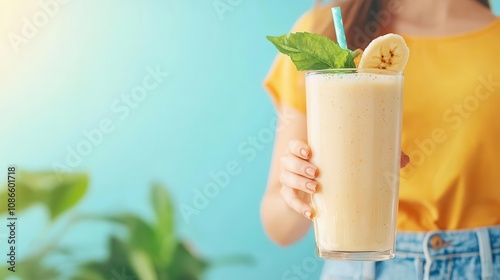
310 51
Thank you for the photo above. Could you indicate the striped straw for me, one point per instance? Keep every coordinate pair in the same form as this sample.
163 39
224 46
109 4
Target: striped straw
339 27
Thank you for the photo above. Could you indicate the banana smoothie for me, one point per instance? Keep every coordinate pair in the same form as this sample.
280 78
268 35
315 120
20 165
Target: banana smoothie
354 105
354 121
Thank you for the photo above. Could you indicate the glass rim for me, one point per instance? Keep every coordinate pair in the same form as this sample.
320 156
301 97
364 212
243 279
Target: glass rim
354 70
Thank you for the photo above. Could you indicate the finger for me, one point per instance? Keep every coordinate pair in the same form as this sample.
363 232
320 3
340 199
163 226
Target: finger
293 201
299 148
405 159
298 182
299 166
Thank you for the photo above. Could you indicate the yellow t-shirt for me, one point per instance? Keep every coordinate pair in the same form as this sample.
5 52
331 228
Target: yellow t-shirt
451 127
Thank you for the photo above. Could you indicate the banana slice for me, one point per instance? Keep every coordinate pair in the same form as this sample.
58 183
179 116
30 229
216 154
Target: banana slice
386 52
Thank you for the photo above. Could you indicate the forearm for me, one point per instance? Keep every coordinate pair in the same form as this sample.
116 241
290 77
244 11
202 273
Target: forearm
282 224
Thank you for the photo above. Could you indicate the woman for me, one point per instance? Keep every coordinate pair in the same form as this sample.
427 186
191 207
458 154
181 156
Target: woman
449 210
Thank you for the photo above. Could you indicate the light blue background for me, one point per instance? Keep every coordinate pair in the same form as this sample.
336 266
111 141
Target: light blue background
66 78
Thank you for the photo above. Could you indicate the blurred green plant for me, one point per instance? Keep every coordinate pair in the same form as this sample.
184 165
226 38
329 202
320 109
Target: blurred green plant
150 251
57 192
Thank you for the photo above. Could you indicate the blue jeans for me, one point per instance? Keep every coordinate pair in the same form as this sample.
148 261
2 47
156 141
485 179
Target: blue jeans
463 254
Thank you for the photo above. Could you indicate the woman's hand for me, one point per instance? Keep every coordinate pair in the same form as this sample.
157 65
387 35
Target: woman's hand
298 176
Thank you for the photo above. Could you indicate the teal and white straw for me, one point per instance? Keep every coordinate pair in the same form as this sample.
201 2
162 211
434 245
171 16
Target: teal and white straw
339 27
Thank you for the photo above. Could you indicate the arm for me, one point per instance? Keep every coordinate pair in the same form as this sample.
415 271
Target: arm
282 205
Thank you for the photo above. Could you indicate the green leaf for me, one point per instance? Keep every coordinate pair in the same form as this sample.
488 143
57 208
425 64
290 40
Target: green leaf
350 60
354 54
141 235
164 210
58 192
310 51
143 265
116 266
186 265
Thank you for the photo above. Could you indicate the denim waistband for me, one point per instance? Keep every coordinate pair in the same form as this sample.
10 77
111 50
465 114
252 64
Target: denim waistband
444 243
431 253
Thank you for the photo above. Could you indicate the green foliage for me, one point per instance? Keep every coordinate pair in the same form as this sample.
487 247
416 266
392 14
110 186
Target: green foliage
56 191
310 51
151 250
115 266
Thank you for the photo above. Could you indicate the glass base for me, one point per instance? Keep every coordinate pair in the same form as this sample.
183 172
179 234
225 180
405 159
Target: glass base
356 256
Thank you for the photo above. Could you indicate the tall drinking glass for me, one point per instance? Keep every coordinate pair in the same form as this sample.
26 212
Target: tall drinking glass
354 128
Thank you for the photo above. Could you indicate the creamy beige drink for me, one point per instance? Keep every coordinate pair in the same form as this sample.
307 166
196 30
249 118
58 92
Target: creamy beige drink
354 126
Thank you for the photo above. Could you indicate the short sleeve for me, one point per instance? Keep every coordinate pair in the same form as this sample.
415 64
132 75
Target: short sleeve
285 84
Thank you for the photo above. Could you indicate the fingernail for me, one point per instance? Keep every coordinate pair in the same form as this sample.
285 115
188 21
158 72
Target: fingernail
311 172
405 160
308 214
304 152
311 186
